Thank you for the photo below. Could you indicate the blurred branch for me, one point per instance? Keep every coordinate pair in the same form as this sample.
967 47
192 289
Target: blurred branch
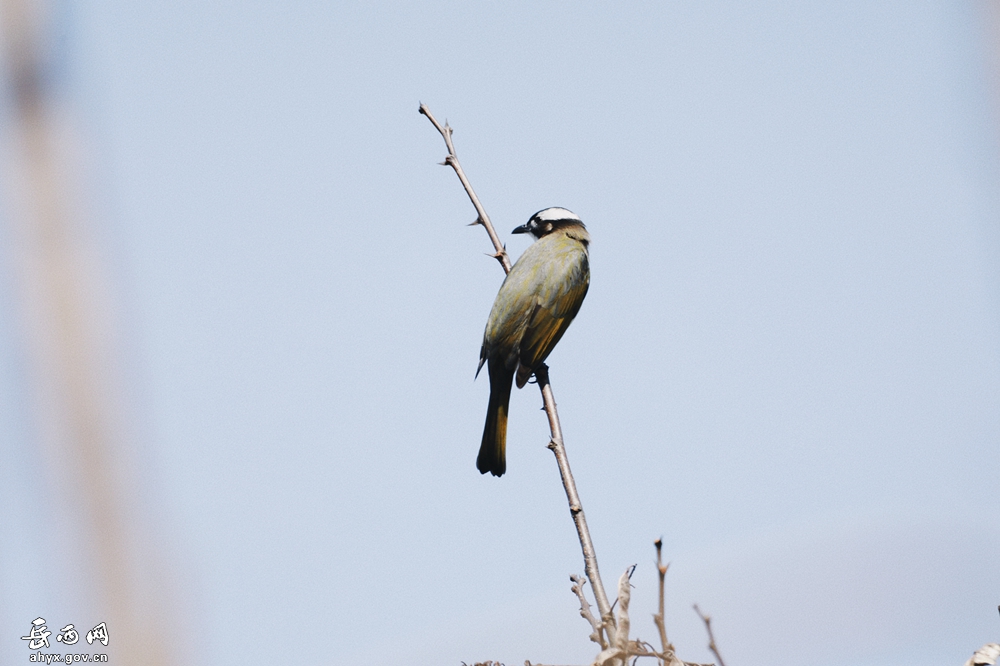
548 400
69 340
711 638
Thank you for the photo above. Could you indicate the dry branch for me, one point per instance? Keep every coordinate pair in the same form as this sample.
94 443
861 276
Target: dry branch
452 161
667 655
985 656
711 637
624 598
661 569
598 635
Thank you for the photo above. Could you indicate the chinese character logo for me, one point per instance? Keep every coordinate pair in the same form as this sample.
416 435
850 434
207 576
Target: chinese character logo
39 635
98 633
69 636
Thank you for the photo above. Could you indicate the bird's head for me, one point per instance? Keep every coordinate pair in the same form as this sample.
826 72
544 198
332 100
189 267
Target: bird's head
546 221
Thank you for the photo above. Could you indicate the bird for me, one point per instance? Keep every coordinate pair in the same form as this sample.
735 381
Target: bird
535 305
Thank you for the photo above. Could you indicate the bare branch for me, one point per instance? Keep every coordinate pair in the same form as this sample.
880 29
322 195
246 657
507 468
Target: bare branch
575 507
711 638
548 400
452 161
598 635
658 617
667 655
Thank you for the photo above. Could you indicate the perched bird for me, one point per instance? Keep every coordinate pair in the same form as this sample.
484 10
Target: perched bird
535 305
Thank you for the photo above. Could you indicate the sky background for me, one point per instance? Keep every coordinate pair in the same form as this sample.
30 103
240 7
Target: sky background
788 364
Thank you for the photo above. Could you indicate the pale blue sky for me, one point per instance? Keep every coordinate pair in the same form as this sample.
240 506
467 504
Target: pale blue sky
788 364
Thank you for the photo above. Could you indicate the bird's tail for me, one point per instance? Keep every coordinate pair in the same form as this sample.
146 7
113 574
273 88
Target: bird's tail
492 452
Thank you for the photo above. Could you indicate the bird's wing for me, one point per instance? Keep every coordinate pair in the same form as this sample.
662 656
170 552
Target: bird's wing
556 305
510 315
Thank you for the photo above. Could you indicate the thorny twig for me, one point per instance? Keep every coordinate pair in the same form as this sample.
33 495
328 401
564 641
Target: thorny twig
452 161
548 399
711 637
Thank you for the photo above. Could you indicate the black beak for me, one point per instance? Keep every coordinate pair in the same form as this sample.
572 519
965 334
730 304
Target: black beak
523 229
